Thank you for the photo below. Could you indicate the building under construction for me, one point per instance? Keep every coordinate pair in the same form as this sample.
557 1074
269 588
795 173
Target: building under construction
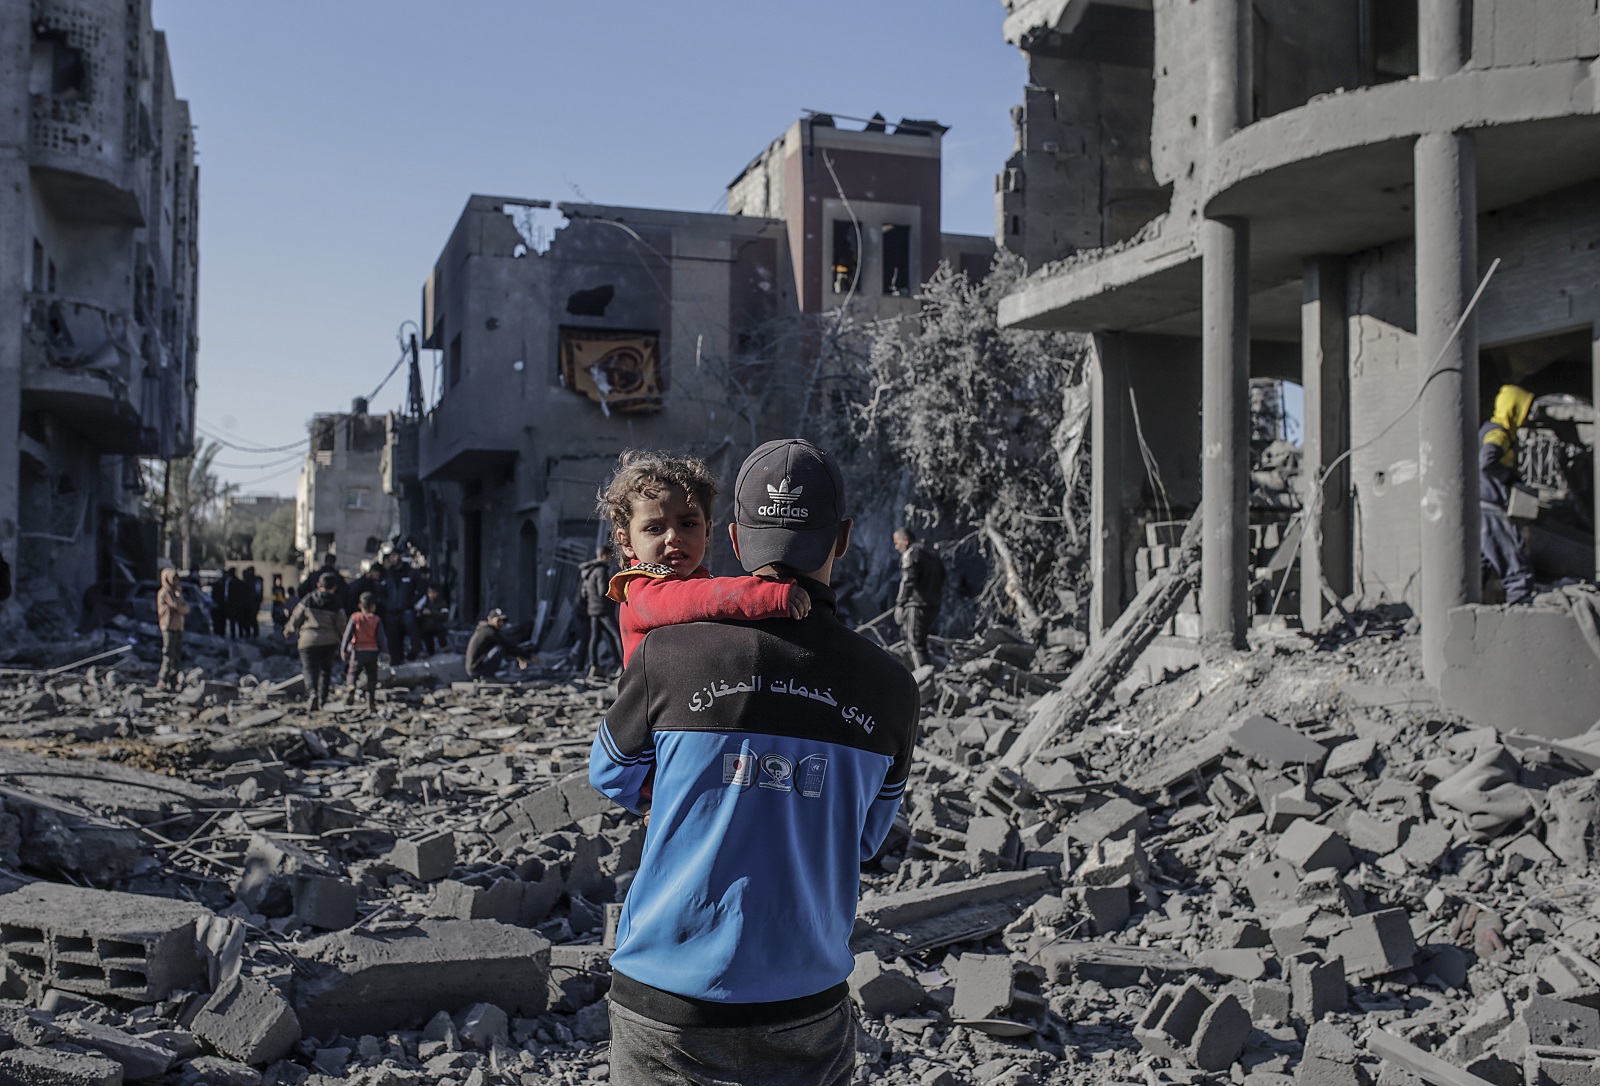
1228 190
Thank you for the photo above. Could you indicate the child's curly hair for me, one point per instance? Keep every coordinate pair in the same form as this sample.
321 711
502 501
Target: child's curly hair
643 474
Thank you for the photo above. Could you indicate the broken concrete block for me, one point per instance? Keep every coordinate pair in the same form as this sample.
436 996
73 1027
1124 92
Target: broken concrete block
893 923
1487 1019
1310 846
326 902
1110 820
501 900
1186 1024
1296 801
53 1067
1330 1059
427 858
1379 833
1549 1065
366 982
1351 756
248 1020
1375 944
1107 862
1426 844
1108 907
992 844
138 1057
1318 986
983 986
881 988
214 1071
483 1025
1239 964
1271 1002
270 869
1552 1022
1288 932
1573 826
99 942
1272 885
1275 745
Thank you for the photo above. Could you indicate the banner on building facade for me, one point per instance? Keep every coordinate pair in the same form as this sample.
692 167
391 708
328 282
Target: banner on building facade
620 371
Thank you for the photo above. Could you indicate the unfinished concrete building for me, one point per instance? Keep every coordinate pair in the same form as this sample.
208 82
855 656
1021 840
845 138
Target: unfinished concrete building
341 505
1228 189
569 333
98 258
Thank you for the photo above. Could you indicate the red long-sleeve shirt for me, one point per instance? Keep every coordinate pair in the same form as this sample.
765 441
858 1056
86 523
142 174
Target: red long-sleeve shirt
653 595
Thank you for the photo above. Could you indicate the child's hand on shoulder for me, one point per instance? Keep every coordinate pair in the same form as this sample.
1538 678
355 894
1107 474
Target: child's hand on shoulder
799 602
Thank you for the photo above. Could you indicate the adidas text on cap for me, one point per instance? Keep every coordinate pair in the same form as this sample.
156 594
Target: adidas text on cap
788 503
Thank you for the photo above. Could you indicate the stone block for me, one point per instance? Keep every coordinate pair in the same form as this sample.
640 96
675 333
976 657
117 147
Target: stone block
1573 831
1555 1023
582 799
1271 1002
368 982
1110 820
1107 862
1236 963
248 1020
1350 756
53 1067
1548 1065
1272 885
483 1025
215 1071
1221 1035
983 986
1108 907
1296 801
270 867
100 942
1318 986
502 900
1186 1024
992 844
545 811
1426 844
1275 745
1330 1058
1528 664
1375 944
1289 931
1379 833
881 988
324 901
427 858
138 1057
1310 846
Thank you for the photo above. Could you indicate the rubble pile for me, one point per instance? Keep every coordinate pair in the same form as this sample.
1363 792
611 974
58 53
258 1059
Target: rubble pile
1288 866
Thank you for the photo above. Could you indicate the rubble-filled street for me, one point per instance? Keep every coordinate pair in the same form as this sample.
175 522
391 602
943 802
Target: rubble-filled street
1280 865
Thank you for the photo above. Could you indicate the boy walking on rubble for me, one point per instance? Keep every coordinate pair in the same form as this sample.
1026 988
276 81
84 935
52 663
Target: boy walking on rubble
316 621
363 642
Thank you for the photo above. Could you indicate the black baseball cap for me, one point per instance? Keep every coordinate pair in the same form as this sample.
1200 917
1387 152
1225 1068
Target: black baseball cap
788 502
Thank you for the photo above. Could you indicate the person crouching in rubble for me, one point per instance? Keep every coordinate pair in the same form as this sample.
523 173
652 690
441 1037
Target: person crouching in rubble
659 507
1503 552
363 642
489 648
171 611
318 620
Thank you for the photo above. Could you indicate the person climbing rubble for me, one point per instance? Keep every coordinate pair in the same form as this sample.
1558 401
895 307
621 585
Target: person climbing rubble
733 946
916 605
318 620
172 611
1503 552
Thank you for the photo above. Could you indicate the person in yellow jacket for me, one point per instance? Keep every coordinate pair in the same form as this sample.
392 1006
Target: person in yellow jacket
171 612
1503 552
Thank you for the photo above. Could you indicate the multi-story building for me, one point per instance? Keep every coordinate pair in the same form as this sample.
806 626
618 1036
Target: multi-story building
341 506
1227 189
98 226
640 328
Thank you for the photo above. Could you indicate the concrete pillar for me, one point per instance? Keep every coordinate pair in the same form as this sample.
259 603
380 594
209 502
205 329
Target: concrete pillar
1447 415
1594 396
1225 429
1225 347
1325 547
16 246
1108 387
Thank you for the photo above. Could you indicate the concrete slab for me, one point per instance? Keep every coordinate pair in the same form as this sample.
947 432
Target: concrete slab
1527 669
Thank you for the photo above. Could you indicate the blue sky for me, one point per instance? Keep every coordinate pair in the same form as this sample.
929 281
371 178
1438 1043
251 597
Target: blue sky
339 141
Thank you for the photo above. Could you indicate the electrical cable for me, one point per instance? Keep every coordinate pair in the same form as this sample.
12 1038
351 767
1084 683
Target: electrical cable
1433 371
227 444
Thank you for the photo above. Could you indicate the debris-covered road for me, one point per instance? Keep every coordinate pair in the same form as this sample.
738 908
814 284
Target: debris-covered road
1286 864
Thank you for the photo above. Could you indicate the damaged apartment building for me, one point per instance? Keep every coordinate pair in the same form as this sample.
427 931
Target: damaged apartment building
567 334
342 506
98 263
1224 190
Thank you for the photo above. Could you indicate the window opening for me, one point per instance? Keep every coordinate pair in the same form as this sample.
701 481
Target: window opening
455 360
846 256
896 259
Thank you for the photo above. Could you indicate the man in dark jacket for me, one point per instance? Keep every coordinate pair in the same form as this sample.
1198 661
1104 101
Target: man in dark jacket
916 605
330 564
594 578
318 622
399 598
489 647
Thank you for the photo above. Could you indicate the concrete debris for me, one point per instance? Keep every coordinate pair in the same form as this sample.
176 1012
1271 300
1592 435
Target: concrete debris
1239 871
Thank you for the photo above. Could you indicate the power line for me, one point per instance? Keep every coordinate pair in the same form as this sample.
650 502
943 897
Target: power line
298 446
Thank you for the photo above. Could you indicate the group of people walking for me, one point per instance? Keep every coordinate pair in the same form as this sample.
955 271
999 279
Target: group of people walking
236 604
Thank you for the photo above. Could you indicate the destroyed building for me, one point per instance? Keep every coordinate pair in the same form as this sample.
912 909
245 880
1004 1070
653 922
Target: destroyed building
569 333
341 504
1314 192
99 209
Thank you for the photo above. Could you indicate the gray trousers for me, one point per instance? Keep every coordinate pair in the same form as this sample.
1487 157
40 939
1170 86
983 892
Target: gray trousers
817 1050
1503 553
171 657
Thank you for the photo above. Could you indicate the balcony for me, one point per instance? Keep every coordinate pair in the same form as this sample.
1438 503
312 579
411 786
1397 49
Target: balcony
80 168
79 362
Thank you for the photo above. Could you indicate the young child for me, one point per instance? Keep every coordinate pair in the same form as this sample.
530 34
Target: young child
659 507
363 642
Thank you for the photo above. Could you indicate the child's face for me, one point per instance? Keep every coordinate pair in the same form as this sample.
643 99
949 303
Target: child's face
669 529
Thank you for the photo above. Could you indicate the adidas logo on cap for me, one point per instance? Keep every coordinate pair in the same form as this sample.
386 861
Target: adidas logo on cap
782 499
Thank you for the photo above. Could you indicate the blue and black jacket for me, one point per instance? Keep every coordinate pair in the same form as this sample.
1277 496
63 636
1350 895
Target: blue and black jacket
780 751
